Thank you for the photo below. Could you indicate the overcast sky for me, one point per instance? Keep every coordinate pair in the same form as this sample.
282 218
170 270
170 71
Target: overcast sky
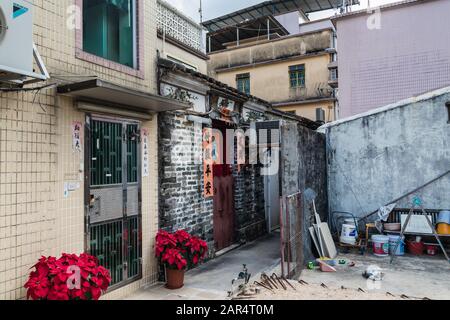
216 8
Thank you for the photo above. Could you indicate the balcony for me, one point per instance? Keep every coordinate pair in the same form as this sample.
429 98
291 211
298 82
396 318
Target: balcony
333 80
175 25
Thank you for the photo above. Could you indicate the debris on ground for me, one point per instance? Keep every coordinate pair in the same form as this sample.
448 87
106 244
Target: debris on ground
302 290
373 273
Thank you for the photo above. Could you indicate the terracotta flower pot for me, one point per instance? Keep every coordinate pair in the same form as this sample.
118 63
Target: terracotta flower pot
175 279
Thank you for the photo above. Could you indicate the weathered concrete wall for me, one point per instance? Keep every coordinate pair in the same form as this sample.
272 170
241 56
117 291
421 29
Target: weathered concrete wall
277 88
408 55
271 50
303 166
249 203
379 157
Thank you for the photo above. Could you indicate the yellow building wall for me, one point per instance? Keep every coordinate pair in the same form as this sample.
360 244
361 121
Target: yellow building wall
36 156
309 110
271 81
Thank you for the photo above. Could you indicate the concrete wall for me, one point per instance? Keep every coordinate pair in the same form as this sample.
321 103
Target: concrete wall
276 87
303 166
409 55
308 110
36 155
168 50
269 50
379 157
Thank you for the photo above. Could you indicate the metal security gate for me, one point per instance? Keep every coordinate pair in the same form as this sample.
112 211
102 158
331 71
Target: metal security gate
113 197
291 220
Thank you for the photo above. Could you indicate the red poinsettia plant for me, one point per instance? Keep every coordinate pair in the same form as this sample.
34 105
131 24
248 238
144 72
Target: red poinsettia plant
179 250
70 277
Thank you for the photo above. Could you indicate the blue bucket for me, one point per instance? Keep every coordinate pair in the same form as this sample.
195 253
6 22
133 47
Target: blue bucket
444 217
393 239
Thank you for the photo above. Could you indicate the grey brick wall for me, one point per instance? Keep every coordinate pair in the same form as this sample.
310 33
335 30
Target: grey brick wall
182 205
181 200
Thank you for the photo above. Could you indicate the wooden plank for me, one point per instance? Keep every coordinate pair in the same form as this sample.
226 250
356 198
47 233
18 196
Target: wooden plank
327 240
312 231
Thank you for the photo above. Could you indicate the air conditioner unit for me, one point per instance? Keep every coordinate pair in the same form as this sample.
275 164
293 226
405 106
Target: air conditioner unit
16 42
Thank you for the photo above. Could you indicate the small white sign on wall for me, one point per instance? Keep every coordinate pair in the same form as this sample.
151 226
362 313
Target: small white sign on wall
145 153
417 224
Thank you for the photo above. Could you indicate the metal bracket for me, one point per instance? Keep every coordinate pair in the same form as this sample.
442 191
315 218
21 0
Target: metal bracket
18 77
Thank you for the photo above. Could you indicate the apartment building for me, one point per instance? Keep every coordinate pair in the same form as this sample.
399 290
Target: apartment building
391 53
79 154
276 58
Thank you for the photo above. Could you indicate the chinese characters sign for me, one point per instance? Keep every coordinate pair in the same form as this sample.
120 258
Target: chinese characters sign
145 153
76 136
212 143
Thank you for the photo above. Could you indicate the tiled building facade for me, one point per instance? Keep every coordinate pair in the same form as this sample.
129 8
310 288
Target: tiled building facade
38 214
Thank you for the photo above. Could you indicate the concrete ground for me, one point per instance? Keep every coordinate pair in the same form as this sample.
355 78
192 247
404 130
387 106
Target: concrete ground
212 280
415 277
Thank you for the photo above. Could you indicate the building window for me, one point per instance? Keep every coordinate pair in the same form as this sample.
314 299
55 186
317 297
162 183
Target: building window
243 82
297 76
109 30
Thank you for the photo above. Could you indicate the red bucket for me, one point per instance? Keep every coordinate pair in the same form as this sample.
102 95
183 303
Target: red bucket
432 249
415 248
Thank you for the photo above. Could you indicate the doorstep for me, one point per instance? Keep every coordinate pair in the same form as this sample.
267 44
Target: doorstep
228 249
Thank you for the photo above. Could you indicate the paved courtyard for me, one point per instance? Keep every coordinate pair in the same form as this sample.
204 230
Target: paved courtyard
409 276
212 280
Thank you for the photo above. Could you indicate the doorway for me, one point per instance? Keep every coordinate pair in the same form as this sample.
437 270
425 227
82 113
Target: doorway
113 197
270 142
224 210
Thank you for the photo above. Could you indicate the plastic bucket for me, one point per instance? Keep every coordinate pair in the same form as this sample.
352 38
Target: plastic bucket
393 239
380 245
348 240
349 230
432 249
350 221
415 248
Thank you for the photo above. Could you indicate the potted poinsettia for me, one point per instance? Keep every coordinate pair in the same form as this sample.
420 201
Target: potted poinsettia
178 251
70 277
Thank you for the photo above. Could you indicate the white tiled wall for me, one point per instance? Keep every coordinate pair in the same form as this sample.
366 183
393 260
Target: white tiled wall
36 156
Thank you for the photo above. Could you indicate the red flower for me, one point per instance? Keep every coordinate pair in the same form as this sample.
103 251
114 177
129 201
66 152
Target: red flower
38 287
180 249
173 258
56 279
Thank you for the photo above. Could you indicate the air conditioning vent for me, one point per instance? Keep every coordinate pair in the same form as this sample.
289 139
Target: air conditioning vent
16 37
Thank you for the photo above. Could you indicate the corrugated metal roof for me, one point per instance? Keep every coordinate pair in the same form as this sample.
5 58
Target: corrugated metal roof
270 8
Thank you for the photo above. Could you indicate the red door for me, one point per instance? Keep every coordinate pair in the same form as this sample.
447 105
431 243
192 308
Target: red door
223 208
224 215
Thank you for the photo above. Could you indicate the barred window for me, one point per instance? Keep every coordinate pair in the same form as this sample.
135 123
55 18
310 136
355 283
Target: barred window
243 83
297 76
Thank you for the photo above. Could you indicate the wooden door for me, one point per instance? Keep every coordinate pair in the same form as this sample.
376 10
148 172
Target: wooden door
223 211
224 215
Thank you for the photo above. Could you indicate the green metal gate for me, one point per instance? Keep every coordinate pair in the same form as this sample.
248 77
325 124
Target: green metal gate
113 197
